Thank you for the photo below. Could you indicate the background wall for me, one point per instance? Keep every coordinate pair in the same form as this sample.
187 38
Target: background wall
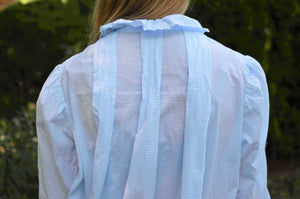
35 36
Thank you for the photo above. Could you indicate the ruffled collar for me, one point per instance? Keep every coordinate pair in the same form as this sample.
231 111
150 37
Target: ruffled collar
175 21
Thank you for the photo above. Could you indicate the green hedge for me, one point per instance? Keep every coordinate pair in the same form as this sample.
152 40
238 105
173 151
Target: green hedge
18 156
33 39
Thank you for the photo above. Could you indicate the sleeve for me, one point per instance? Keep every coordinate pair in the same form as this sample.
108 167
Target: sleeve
57 160
253 169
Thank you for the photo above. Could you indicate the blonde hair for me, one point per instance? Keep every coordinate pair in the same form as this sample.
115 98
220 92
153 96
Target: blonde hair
106 11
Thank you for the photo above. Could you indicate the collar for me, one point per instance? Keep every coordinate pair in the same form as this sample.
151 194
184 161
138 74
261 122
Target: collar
174 22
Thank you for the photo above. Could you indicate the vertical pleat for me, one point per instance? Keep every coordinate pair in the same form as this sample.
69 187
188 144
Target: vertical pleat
141 182
104 85
198 104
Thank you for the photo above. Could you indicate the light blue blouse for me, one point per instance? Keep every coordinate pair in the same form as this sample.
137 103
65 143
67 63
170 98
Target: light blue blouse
154 109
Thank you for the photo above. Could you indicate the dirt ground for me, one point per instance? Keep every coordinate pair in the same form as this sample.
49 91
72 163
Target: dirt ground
284 179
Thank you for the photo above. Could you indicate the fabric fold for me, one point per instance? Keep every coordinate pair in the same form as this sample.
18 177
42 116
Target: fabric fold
198 107
141 182
104 85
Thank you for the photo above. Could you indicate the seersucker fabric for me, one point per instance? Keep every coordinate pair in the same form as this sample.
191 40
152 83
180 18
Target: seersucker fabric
155 109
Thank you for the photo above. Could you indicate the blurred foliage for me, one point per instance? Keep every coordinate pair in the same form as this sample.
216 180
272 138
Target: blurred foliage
18 155
37 36
33 39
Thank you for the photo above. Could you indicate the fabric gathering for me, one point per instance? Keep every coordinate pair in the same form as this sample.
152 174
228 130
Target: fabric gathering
155 109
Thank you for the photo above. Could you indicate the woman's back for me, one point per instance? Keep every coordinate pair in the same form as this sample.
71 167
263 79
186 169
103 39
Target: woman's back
154 109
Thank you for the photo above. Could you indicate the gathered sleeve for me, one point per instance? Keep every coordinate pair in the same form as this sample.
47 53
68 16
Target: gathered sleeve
57 160
253 170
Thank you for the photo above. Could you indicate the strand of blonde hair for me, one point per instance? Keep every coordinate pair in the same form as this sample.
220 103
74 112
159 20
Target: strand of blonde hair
106 11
